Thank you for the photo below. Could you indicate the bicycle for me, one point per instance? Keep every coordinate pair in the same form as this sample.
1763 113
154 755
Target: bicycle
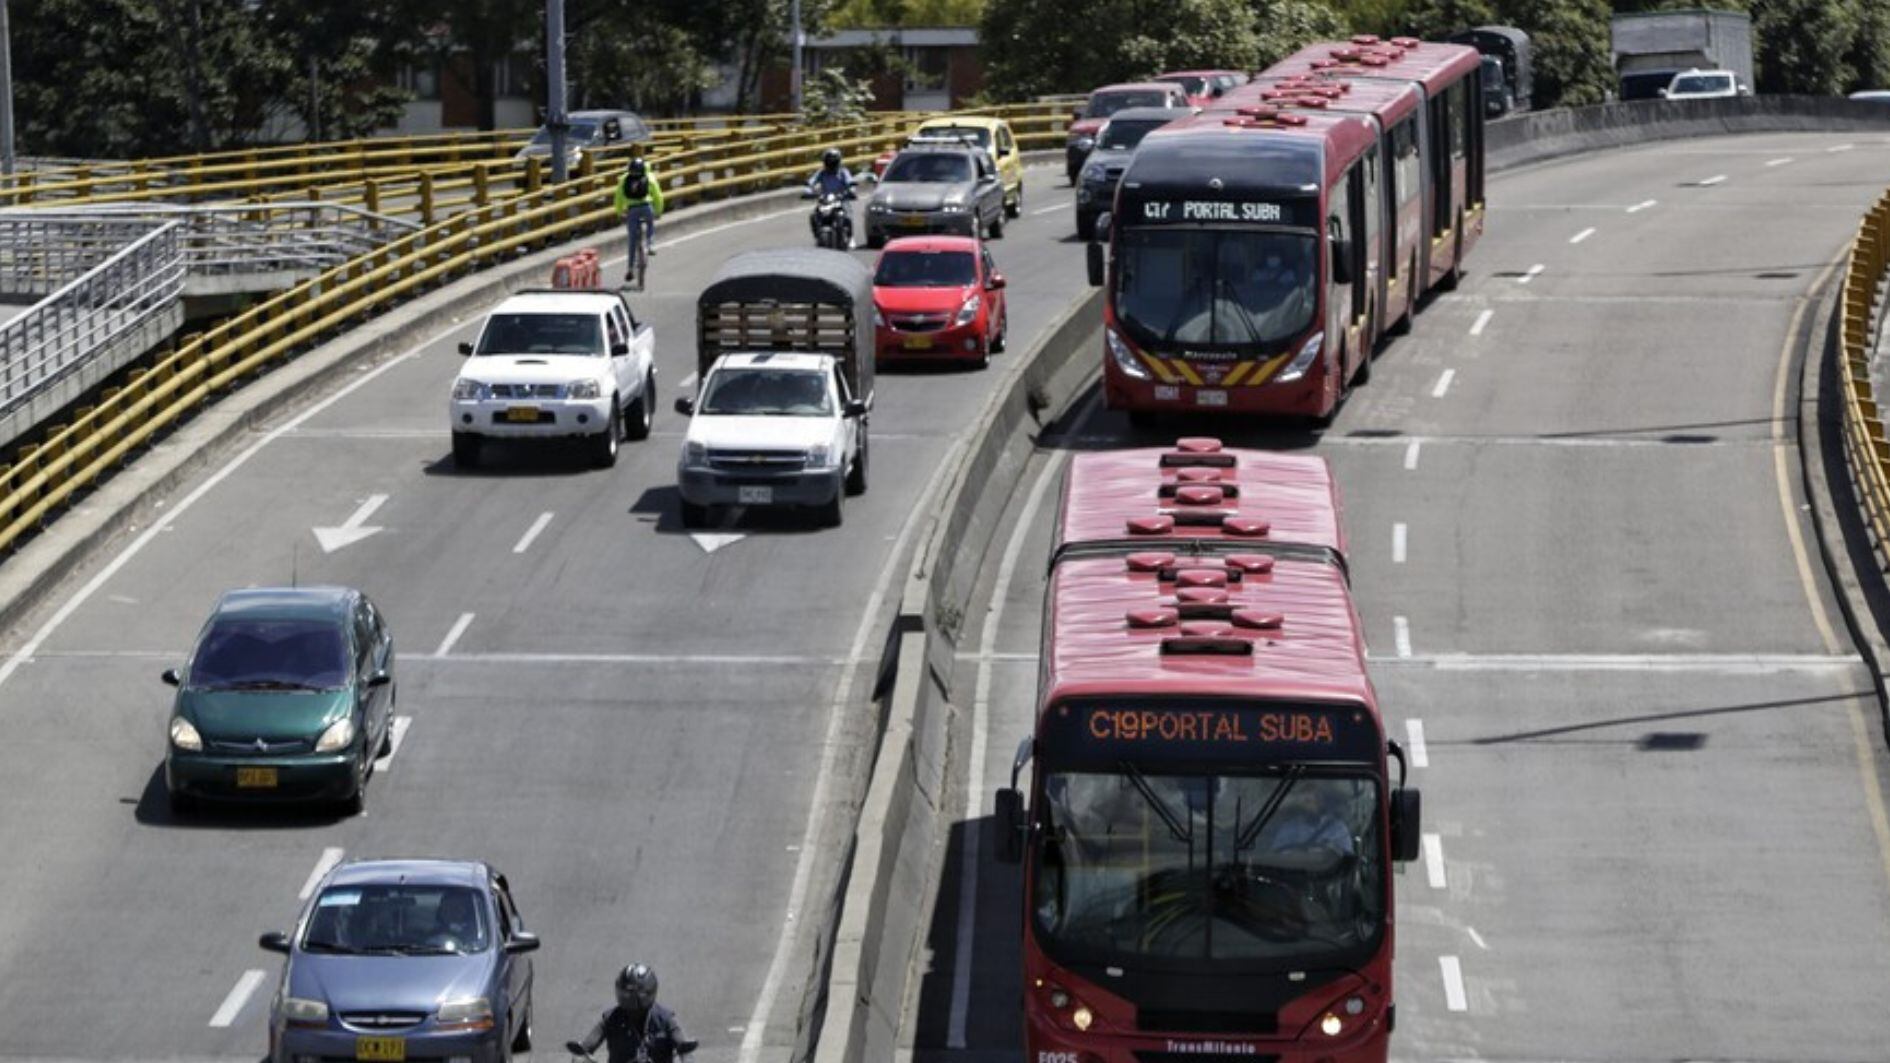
637 263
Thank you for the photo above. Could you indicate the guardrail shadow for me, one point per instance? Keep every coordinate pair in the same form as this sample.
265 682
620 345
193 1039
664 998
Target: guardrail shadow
986 1008
1089 425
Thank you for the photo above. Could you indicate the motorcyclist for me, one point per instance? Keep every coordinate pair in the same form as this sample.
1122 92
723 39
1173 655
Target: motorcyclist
832 178
638 1028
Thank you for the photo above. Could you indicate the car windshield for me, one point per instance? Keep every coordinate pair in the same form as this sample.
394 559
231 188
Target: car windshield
1702 83
768 392
1227 287
579 133
930 167
1122 136
1193 86
1104 104
980 137
926 269
542 334
247 654
1275 868
399 919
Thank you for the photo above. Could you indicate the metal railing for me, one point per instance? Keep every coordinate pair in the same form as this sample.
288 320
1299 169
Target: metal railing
1866 449
87 313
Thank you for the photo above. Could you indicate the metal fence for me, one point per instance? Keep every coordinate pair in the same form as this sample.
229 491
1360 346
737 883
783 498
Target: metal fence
83 316
1866 450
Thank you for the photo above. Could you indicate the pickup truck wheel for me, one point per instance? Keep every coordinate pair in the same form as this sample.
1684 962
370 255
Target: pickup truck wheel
694 516
465 450
856 476
831 514
637 419
604 444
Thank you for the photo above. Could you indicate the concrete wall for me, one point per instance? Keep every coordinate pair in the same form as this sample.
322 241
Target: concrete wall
1537 135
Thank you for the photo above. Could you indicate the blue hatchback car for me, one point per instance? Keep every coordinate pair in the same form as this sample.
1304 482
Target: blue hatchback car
404 960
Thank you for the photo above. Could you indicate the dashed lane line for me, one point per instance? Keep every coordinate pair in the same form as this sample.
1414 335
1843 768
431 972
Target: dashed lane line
1718 178
232 1005
1443 383
1434 860
1583 235
395 736
1411 454
1531 273
1401 628
452 636
1643 205
1483 319
1780 161
1454 997
531 533
329 858
1398 537
1414 736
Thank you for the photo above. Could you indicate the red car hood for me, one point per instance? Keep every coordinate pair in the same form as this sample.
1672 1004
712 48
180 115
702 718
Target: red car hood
1087 126
921 300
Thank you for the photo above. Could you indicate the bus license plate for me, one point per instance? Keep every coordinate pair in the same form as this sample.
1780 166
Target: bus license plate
1206 397
381 1048
754 496
255 778
526 414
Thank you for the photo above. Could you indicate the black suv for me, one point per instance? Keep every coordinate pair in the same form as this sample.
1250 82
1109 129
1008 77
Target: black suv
1115 142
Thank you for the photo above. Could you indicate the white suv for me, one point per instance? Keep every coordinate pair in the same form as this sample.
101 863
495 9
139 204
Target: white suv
1704 85
556 363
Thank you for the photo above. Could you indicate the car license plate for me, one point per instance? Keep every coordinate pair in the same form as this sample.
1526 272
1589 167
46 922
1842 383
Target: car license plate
255 778
754 496
527 414
918 343
383 1048
1205 397
913 221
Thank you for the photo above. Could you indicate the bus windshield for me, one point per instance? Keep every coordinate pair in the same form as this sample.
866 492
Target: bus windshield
1279 868
1225 287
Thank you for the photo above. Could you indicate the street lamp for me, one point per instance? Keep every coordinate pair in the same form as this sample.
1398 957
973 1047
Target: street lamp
555 118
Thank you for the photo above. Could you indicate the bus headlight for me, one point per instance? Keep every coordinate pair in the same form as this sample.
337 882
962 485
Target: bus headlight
1082 1017
1303 361
1331 1025
1124 357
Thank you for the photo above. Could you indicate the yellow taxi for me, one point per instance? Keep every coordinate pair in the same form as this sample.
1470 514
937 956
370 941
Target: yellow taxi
993 135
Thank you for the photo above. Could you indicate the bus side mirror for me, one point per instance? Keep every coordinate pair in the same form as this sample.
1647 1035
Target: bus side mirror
1405 824
1010 826
685 405
1341 261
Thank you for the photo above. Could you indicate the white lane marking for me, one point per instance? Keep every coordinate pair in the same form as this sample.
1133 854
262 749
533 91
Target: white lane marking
716 659
1583 235
1780 162
1837 148
394 738
239 995
1049 210
1711 181
1443 383
1414 733
1411 453
164 523
817 810
1398 543
329 858
531 533
352 530
669 241
1434 860
980 736
1478 938
1531 273
1722 664
1476 328
1642 205
452 636
1454 998
1401 629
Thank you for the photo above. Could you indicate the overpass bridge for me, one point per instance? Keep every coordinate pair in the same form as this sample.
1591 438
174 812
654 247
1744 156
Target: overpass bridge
1651 725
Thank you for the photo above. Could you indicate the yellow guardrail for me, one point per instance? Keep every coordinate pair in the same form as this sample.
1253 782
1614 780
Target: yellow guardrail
1865 448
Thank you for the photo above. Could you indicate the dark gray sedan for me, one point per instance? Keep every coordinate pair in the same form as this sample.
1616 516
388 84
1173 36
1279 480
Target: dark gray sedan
1115 142
405 959
937 188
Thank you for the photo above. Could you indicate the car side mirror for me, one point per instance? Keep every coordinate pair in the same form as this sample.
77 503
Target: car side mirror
685 405
856 408
1406 824
379 679
1663 93
172 678
1341 261
521 942
274 941
465 348
619 350
1010 824
997 282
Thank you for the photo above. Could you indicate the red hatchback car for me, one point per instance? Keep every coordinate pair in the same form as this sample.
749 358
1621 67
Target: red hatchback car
936 298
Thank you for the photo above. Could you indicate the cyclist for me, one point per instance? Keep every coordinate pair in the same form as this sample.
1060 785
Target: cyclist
640 202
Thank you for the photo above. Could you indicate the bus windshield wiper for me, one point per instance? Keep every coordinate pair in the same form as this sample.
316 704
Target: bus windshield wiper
1245 839
1182 834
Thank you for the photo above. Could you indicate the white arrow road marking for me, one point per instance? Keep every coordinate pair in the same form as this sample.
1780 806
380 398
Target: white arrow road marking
352 530
713 541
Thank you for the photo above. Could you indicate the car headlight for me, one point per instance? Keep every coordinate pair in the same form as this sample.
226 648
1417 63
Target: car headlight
304 1012
1308 354
1083 142
1094 172
1124 356
473 1013
184 736
953 208
968 312
337 737
877 207
820 457
694 453
465 388
583 389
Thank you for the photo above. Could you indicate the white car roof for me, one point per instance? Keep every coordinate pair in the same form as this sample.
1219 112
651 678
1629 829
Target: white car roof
802 360
573 302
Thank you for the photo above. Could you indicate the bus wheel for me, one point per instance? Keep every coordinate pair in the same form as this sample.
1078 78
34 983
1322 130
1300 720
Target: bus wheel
1451 279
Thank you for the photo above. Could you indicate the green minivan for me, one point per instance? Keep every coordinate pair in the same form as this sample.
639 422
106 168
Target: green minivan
288 696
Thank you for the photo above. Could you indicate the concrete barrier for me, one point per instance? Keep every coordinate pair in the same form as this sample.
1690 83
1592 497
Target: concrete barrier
886 905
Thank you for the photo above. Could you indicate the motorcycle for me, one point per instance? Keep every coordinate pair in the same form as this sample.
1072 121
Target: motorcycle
683 1048
832 221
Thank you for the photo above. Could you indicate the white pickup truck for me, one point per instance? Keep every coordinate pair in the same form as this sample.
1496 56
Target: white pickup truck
556 363
785 368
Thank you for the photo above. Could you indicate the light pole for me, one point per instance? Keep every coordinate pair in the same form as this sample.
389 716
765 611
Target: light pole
794 80
555 118
6 92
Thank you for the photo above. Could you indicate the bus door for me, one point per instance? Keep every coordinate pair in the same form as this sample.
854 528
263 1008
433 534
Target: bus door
1406 192
1441 151
1347 304
1368 211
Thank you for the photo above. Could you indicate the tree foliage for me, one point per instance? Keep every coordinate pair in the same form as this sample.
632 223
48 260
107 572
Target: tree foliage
1805 45
1286 26
833 97
1574 63
1435 20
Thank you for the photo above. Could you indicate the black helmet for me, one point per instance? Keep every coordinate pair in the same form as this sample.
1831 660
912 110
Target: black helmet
830 158
636 167
636 987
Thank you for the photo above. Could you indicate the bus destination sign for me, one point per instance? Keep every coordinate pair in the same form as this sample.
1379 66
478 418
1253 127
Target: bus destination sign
1209 730
1193 211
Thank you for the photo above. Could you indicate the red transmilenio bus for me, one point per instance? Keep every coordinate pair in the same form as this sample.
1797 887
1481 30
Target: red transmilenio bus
1252 247
1210 819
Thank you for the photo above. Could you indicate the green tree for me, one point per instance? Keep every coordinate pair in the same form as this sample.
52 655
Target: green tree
1805 45
1573 61
1038 47
1435 20
479 36
1286 26
636 54
1869 58
342 62
833 97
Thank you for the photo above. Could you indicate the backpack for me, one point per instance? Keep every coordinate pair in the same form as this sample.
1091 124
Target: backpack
636 188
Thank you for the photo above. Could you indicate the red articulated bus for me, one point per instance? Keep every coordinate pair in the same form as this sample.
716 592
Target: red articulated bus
1253 248
1210 821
